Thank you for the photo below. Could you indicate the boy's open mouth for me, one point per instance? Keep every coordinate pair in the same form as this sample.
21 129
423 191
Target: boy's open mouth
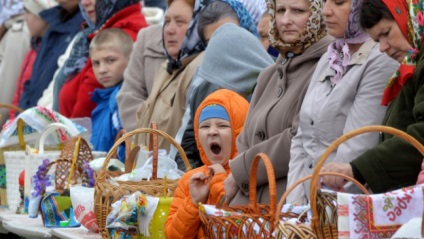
215 148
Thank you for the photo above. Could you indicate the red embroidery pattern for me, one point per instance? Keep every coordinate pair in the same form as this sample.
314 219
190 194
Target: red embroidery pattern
343 210
51 116
363 216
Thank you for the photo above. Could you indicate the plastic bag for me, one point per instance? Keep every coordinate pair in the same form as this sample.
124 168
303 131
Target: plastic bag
83 203
133 211
166 167
114 165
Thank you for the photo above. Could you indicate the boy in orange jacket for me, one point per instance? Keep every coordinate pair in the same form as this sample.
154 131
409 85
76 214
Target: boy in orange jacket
218 121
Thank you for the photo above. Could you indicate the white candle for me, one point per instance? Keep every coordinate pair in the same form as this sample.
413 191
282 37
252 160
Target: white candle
27 184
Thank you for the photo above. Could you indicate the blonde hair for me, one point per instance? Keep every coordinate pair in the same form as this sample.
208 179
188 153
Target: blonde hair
191 2
113 38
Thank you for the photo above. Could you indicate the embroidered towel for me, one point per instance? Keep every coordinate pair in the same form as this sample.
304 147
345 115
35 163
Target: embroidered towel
379 215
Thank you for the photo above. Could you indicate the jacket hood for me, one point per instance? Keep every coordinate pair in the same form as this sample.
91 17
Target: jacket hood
236 107
238 73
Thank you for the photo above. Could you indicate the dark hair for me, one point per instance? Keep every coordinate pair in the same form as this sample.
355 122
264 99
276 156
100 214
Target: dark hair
212 13
372 11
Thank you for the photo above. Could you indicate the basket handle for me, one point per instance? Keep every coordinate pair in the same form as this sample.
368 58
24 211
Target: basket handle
127 143
20 122
253 205
11 107
129 161
153 146
102 174
39 144
302 180
340 140
20 128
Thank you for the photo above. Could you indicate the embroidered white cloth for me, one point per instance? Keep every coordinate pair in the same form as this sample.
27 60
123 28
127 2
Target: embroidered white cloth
36 120
379 215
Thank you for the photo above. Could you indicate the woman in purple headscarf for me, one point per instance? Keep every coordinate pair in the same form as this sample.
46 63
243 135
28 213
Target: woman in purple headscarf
344 94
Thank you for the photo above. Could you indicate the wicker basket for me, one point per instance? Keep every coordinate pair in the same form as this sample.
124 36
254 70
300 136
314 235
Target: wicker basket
68 169
322 225
255 220
62 168
290 230
107 193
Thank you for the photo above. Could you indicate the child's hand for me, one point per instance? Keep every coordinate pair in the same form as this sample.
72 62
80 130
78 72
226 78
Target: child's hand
216 168
199 188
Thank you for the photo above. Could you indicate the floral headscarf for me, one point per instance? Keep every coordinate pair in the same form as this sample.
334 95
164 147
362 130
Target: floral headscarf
338 51
314 31
408 15
192 43
244 17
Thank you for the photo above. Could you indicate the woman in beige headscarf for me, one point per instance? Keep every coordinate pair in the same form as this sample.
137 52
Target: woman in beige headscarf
298 32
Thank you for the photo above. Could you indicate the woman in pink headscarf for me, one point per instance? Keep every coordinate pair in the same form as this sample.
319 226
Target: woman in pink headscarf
394 163
344 94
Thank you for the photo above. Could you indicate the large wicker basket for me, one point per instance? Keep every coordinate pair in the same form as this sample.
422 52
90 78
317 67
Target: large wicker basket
285 229
107 193
255 220
323 225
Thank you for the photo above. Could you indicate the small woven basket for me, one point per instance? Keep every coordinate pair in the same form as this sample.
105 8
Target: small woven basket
254 220
324 224
107 193
72 150
68 169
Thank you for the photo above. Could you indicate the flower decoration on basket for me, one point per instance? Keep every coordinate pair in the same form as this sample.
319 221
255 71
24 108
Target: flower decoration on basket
41 179
88 176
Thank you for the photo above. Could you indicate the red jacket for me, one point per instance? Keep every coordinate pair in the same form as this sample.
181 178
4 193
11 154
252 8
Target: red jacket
183 219
24 76
74 97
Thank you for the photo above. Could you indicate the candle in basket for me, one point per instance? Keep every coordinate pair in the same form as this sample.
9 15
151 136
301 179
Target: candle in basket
28 175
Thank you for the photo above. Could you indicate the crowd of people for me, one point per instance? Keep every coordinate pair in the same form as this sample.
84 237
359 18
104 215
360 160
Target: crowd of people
229 79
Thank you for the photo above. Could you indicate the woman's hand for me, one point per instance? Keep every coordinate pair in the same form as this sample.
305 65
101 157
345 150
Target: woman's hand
336 182
199 188
231 188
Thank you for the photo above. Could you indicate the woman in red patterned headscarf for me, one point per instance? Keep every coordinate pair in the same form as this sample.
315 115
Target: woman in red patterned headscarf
398 26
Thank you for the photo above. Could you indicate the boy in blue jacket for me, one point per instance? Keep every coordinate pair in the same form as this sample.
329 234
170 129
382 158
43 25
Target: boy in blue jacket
110 52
